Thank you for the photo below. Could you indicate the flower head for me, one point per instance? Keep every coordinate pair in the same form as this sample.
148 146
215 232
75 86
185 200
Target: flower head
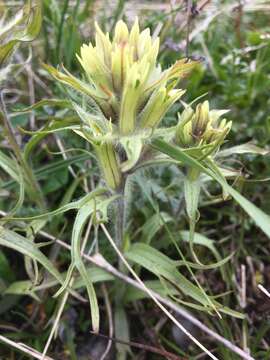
124 79
130 92
202 126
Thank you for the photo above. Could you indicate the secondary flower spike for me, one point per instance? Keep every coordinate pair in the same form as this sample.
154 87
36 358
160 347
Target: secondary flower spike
202 126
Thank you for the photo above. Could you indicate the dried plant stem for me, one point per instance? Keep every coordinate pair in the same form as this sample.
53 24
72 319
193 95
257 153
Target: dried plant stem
24 348
263 289
144 347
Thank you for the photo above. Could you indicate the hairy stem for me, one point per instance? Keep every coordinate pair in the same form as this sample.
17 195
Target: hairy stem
120 208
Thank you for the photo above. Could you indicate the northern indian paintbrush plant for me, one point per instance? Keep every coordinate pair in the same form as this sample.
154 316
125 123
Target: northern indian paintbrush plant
126 95
130 95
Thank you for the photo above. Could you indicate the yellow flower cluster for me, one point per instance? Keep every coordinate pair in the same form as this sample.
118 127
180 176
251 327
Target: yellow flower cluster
125 80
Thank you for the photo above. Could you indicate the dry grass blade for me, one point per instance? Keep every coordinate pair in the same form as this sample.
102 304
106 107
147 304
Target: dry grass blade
263 289
24 348
110 320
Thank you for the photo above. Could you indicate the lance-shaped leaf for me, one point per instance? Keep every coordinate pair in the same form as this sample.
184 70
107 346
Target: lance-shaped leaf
247 148
260 218
165 268
176 72
96 206
12 240
68 79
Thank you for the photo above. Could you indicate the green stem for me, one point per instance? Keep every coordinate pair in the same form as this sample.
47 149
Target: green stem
120 287
119 213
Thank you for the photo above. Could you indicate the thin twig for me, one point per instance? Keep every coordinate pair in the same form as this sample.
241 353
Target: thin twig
62 149
189 4
243 295
144 347
56 322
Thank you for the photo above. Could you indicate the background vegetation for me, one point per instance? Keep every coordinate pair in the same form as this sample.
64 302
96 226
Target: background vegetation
232 39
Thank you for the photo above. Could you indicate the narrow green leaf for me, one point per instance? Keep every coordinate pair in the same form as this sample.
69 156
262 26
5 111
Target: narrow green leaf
153 225
80 221
247 148
260 218
26 286
12 240
121 325
46 102
70 206
163 267
200 239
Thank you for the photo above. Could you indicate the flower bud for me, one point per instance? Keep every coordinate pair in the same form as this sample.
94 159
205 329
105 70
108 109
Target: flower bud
201 120
183 134
201 127
158 104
